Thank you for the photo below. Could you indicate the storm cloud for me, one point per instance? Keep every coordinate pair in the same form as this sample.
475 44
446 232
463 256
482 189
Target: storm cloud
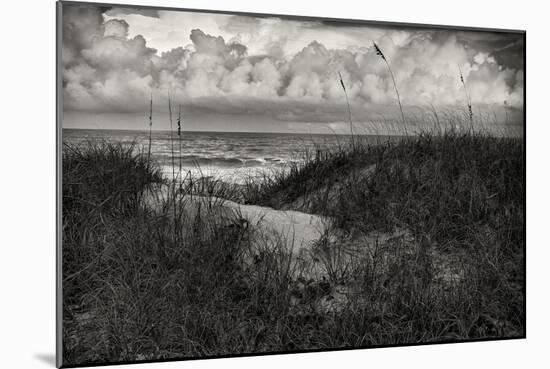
286 69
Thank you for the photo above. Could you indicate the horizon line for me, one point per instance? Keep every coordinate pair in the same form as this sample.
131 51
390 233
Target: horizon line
200 131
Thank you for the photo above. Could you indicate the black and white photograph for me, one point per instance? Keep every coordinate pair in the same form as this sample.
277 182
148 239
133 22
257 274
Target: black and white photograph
239 184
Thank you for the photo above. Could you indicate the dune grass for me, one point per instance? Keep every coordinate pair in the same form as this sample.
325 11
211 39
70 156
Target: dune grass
142 283
461 198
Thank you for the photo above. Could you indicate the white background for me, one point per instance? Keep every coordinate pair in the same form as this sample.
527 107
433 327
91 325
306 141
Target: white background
27 185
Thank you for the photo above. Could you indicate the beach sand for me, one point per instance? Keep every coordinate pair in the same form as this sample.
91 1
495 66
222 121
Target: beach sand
298 230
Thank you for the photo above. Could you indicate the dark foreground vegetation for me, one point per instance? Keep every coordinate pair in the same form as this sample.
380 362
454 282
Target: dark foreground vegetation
438 222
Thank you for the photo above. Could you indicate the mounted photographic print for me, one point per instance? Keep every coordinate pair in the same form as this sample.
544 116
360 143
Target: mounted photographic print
241 184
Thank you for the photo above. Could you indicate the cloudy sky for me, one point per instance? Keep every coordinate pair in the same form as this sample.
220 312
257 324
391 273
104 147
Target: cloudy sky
241 73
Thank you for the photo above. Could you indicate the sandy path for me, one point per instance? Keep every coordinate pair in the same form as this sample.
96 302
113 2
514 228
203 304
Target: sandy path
298 230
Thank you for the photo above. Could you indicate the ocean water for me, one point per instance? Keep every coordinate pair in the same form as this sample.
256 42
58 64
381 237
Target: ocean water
230 156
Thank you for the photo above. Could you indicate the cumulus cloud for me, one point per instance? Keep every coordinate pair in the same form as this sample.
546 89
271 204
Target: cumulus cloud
115 28
103 68
107 70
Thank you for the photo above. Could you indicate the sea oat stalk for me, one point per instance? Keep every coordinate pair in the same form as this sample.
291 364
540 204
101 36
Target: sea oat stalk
173 161
349 109
171 137
150 130
381 54
179 139
468 99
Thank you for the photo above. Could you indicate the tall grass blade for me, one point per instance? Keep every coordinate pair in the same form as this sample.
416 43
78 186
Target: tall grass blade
349 110
381 54
468 99
173 184
179 139
150 129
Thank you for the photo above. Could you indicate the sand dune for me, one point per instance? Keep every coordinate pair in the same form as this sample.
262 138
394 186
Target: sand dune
297 229
300 230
